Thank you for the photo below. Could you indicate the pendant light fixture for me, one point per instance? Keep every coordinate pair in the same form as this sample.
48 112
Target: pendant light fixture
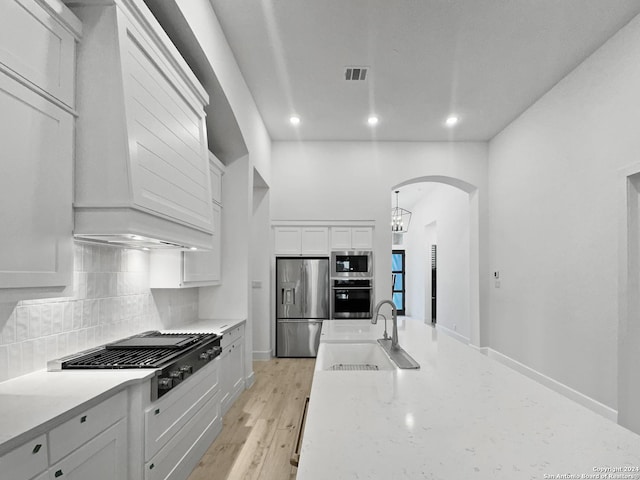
400 218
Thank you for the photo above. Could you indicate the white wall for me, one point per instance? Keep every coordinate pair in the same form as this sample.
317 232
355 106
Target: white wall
234 298
553 182
447 208
353 181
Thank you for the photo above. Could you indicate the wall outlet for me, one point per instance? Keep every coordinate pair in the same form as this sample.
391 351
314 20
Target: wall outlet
497 283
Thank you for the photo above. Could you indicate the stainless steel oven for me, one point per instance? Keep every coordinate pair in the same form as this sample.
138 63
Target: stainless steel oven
352 264
352 298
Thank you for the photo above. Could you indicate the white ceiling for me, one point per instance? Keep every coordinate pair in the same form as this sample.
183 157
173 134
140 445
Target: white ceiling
485 60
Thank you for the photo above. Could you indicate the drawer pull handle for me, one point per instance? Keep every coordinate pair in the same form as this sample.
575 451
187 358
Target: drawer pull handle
157 412
58 474
151 466
37 448
83 419
295 458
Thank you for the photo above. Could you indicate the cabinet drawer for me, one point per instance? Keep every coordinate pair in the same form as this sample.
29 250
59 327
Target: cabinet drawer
231 336
77 431
175 409
25 461
183 452
35 46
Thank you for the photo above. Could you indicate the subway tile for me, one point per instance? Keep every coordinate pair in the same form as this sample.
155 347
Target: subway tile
10 331
28 357
46 320
95 312
57 317
4 363
77 314
86 314
15 360
63 349
51 346
67 316
39 351
35 321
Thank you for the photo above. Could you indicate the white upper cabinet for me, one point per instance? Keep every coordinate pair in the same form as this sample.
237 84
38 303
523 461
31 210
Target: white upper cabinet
40 48
301 240
176 269
37 66
351 238
142 157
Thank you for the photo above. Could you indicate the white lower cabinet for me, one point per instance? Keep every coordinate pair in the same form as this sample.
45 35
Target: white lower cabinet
26 461
232 366
92 445
180 427
102 458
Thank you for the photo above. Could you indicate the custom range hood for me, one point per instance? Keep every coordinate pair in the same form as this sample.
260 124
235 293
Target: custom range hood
142 167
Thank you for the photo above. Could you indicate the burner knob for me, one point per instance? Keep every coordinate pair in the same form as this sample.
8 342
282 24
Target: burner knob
165 383
177 374
211 352
186 369
204 356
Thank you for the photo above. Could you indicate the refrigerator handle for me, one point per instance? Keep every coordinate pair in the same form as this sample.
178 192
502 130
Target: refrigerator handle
303 271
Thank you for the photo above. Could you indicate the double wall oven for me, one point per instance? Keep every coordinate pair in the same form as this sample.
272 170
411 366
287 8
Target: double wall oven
351 284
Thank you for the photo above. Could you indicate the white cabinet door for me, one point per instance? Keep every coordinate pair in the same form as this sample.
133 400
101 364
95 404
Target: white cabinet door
315 240
288 240
341 238
102 458
362 238
25 461
200 267
38 48
36 249
232 372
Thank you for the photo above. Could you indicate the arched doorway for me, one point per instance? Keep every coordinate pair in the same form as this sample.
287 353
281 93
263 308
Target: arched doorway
473 290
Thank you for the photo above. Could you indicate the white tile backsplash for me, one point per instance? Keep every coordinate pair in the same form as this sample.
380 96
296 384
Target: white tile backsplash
111 300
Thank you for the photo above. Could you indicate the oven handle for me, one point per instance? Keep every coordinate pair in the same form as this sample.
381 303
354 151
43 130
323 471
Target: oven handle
352 288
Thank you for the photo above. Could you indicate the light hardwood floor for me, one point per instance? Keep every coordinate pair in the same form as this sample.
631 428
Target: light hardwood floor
259 430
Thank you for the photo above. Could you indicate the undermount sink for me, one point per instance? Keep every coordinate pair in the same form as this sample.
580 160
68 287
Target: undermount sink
360 356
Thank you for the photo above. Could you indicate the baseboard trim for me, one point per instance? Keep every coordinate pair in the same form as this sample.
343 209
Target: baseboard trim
261 356
554 385
453 333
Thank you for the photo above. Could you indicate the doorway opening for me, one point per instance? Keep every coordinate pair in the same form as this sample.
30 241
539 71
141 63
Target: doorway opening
398 280
442 284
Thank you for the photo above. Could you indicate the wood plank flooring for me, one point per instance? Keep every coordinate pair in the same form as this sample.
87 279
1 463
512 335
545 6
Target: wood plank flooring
260 429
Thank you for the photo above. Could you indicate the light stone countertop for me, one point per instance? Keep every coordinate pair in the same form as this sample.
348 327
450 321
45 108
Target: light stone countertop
213 325
461 415
32 404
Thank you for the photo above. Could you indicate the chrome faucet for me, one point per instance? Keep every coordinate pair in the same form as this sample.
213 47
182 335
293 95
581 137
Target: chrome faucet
394 317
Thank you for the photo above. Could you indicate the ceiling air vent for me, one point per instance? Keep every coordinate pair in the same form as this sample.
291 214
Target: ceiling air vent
356 73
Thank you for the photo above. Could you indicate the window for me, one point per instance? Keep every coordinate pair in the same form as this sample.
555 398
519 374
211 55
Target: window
398 280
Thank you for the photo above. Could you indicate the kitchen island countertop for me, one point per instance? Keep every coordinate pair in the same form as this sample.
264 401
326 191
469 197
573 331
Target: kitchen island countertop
461 415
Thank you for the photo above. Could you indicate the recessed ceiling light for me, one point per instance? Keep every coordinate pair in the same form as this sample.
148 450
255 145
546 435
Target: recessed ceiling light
451 120
193 248
372 120
294 119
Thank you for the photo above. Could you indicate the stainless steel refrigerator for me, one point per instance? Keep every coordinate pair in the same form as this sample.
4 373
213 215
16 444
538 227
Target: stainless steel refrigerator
302 303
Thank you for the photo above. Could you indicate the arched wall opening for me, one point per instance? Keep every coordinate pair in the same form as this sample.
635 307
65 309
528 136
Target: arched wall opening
472 292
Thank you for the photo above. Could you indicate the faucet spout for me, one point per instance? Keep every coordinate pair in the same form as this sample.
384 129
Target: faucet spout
394 316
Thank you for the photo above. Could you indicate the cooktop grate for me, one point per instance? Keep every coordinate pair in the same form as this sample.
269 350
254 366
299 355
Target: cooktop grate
125 358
